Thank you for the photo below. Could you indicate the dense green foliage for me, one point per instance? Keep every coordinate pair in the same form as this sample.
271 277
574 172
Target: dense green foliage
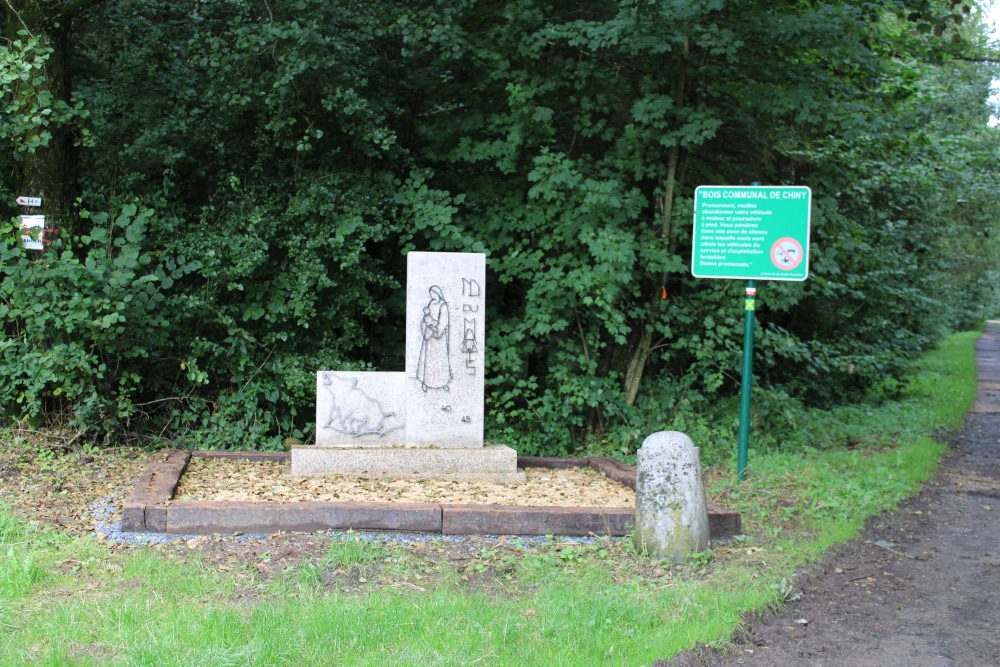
266 166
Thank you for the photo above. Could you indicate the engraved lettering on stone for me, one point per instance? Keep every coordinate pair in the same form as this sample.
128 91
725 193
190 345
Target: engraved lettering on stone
469 346
470 287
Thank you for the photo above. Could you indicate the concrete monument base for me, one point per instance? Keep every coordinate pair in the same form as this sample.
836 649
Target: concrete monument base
494 463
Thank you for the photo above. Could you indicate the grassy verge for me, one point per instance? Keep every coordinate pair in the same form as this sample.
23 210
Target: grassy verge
73 601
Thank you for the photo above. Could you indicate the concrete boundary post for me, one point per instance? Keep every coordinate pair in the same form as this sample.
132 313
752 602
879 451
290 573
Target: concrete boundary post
671 516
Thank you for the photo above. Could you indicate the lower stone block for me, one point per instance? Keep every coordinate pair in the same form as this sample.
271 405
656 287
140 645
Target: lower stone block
496 463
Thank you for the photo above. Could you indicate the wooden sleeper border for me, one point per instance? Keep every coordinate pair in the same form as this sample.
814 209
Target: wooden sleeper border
151 508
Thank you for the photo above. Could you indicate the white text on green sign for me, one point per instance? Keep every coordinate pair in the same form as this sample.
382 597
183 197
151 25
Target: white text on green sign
751 232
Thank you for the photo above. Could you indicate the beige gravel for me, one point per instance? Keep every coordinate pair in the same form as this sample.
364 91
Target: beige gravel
241 480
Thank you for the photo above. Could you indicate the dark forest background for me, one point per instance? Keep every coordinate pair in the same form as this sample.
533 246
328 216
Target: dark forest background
237 183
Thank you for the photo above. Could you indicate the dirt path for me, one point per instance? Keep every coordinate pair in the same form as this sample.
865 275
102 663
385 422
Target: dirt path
920 587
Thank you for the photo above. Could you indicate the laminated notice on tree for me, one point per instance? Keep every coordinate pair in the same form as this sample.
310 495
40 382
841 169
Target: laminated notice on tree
31 231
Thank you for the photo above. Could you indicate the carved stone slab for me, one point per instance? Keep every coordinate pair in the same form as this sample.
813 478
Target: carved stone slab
445 331
360 409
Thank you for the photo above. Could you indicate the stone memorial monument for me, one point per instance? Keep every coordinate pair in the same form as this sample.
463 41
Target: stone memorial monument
427 422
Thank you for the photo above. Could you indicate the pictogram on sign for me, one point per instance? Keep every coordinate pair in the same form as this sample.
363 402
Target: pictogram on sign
786 253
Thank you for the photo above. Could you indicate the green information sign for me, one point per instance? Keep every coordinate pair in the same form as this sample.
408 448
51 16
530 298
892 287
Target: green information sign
751 232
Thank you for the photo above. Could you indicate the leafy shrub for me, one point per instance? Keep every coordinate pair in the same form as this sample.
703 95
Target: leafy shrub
86 332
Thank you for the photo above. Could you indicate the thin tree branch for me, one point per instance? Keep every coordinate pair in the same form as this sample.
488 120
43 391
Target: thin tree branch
18 15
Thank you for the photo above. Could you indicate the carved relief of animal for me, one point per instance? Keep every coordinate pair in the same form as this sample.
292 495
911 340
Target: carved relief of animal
352 410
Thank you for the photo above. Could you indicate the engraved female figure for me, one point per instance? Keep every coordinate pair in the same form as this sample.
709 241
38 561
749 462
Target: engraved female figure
434 363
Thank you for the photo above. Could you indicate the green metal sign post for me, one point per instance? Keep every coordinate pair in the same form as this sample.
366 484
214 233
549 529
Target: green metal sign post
746 379
750 233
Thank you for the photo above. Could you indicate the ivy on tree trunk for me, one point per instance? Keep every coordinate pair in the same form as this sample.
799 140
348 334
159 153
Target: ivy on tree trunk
46 162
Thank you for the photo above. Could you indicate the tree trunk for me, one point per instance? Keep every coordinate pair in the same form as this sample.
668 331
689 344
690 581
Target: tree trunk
636 365
640 350
643 342
50 170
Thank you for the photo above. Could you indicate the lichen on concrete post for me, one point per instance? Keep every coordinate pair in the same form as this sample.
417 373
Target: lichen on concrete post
671 517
